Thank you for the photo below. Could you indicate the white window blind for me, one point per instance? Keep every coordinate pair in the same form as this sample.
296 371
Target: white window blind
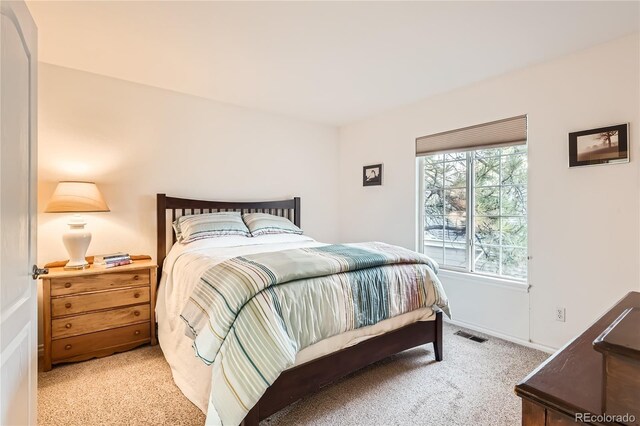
501 133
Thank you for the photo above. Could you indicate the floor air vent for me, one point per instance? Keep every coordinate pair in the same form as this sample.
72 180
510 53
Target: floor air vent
470 336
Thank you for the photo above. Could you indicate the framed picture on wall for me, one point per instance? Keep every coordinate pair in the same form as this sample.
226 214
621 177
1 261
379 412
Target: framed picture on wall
372 175
603 145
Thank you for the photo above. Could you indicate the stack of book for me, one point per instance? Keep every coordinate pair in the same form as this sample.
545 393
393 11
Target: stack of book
112 260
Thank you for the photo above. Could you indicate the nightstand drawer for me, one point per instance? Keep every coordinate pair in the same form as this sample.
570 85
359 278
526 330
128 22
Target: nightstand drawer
98 321
94 301
106 281
88 343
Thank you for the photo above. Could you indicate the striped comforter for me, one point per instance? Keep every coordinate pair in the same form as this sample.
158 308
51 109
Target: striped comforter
250 315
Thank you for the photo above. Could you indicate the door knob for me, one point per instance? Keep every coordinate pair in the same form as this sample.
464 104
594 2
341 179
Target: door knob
36 272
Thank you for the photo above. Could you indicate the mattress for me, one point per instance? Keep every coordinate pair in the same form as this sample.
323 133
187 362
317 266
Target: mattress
186 263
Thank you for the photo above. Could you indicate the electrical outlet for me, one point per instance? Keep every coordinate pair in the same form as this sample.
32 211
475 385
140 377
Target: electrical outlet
560 312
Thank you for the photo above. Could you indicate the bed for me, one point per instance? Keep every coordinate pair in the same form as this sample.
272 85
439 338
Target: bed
316 365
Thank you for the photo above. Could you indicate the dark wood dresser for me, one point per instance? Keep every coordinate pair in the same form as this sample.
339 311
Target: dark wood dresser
572 381
620 348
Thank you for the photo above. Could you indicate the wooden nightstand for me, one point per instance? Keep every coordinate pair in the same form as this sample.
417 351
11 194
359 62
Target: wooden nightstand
96 312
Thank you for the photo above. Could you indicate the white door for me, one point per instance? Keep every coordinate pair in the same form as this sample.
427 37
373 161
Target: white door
18 295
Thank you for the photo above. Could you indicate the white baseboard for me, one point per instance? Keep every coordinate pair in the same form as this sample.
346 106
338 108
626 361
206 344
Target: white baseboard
499 335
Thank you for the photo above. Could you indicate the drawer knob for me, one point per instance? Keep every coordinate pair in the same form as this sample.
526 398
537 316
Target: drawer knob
137 295
137 332
68 325
67 285
67 347
67 305
136 313
136 277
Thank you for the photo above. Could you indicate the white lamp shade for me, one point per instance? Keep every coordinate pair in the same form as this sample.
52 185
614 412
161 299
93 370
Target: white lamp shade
74 197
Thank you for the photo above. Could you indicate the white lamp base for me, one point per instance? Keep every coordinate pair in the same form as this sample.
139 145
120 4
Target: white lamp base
76 240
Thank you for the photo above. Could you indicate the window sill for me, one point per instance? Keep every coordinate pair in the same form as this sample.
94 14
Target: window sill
484 279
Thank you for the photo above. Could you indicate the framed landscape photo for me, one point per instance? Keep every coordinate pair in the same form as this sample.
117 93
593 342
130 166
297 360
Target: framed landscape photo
372 175
604 145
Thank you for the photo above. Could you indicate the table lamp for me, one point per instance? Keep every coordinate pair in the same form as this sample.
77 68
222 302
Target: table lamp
76 197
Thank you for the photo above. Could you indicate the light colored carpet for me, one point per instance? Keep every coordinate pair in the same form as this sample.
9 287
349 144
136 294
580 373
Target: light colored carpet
473 385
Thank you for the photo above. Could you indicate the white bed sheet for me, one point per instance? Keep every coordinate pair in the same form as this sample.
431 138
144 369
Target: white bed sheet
183 267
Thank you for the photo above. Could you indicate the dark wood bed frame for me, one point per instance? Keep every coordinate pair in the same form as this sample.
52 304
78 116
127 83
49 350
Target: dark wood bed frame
306 378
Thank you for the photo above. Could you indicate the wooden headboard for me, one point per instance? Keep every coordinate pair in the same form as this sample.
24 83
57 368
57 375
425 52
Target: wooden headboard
183 206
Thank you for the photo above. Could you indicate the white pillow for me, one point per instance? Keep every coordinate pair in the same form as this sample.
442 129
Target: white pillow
210 225
263 224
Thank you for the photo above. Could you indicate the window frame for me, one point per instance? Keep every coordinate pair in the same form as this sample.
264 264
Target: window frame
470 217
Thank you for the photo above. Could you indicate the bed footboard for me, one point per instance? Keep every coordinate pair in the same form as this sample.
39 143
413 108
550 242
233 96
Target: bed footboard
309 377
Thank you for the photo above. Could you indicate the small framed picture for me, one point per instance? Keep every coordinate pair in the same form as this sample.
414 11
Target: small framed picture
604 145
372 175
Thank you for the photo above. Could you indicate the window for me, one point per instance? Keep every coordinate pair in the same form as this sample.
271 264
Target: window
474 210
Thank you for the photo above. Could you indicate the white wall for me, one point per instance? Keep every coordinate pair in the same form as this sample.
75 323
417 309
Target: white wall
584 223
135 141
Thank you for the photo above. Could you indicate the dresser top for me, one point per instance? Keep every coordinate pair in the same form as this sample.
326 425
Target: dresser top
94 270
623 336
571 379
